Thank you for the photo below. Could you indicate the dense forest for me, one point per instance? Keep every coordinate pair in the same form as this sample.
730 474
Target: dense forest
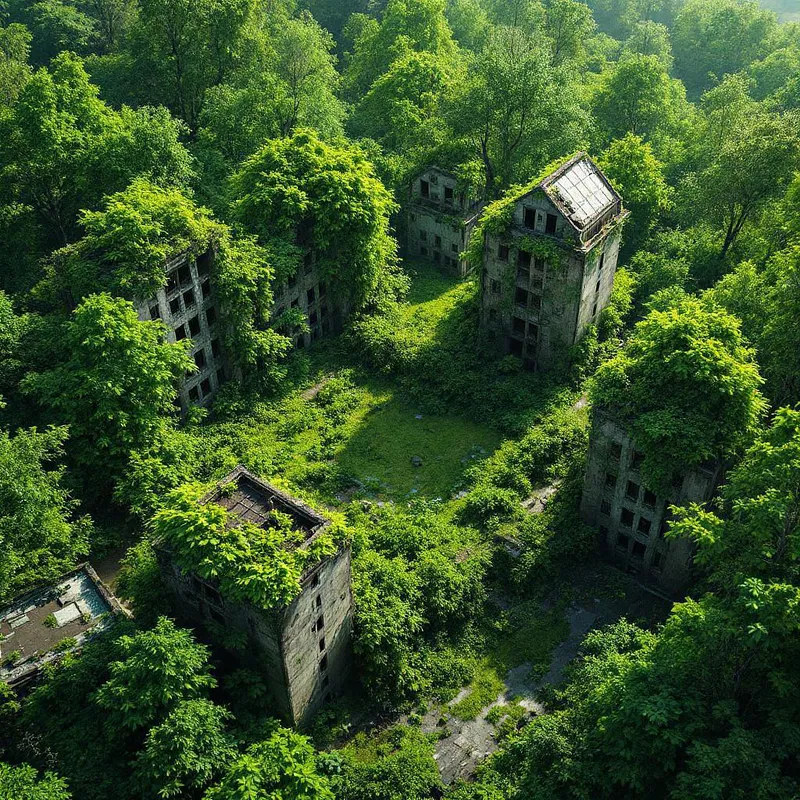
282 136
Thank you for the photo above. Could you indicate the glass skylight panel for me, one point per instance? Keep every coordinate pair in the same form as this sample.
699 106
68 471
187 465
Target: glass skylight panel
583 192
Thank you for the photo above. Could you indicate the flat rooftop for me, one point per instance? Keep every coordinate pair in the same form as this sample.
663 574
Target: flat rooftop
35 626
250 499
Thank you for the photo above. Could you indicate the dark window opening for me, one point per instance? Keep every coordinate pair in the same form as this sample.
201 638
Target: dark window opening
180 332
194 394
172 281
626 518
204 263
206 289
533 332
217 616
536 302
311 295
220 376
174 306
521 297
188 298
623 541
650 498
602 261
211 315
644 526
318 601
322 644
423 236
637 459
537 284
320 622
616 451
603 531
632 491
454 248
605 507
194 326
448 194
638 550
184 275
154 312
424 188
495 287
611 480
312 318
308 263
530 218
323 311
515 348
200 358
594 310
323 663
597 287
423 251
215 348
657 556
437 241
502 252
205 387
437 257
523 258
315 580
322 289
518 325
550 226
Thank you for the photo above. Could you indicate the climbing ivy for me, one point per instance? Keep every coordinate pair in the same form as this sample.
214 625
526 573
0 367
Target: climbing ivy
250 563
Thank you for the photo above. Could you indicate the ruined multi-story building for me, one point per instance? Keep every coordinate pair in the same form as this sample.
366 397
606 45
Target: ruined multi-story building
630 517
188 308
440 220
549 258
303 649
308 292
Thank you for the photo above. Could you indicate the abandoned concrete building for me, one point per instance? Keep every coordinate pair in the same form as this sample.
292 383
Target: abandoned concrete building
188 308
631 518
43 624
303 649
549 272
307 291
440 220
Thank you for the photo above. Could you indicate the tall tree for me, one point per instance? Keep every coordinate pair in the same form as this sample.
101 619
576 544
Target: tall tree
40 537
116 387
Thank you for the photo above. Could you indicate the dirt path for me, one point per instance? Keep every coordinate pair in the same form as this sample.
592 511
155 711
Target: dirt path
469 742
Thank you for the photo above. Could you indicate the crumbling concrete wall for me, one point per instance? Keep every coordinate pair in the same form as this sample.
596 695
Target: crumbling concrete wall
188 308
304 663
632 519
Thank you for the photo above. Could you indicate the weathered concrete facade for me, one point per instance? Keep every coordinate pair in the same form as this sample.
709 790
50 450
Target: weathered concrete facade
440 220
188 308
632 519
303 649
549 274
309 292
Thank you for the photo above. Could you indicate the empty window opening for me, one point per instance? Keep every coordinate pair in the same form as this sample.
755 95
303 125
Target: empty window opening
611 480
310 295
211 315
626 518
200 358
437 241
320 622
650 498
637 459
318 601
322 645
632 491
188 298
205 387
180 332
425 188
216 348
644 526
523 258
605 507
518 325
515 348
323 663
550 226
495 287
206 289
174 306
623 541
521 297
448 194
638 550
530 218
502 252
194 326
154 312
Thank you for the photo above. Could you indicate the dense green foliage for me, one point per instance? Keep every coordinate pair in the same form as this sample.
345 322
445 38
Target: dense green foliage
685 384
39 535
260 565
280 137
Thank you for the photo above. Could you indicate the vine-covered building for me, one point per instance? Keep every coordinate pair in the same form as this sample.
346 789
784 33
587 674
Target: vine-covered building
440 219
630 517
302 648
549 258
308 292
187 306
